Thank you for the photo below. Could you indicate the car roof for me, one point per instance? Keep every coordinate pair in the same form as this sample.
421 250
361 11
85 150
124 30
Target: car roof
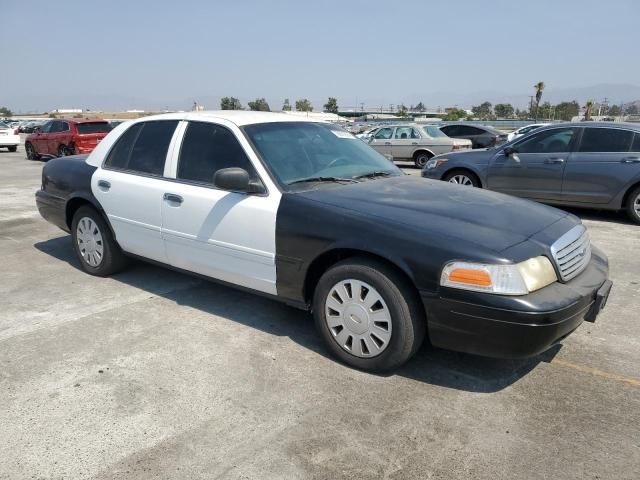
632 126
238 117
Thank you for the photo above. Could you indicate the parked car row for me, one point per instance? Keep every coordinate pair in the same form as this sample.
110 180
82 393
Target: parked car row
595 165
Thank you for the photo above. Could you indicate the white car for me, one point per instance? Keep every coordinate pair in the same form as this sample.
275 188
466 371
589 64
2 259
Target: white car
366 135
415 142
9 137
522 131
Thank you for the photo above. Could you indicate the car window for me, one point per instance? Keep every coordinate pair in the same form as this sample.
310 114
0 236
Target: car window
467 130
384 133
207 148
55 127
143 147
605 140
46 128
450 130
93 127
557 140
63 127
434 132
405 133
636 143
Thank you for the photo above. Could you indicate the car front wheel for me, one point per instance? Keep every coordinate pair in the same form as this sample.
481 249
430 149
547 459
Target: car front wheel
462 177
368 314
30 151
95 247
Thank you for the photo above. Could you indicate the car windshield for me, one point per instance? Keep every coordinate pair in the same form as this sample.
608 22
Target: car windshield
3 125
93 127
299 151
433 132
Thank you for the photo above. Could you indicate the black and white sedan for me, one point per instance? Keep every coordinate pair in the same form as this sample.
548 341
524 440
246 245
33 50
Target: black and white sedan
306 213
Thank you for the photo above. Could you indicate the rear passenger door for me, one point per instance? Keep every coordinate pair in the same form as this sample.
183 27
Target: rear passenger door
130 185
222 234
604 163
405 141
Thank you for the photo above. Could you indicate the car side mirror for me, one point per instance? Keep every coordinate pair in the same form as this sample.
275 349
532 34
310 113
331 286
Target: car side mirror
236 180
508 151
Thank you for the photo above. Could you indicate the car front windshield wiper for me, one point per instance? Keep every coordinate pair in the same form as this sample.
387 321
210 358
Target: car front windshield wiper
373 175
325 179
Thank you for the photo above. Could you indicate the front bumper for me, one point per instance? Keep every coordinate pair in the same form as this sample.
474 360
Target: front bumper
431 173
516 327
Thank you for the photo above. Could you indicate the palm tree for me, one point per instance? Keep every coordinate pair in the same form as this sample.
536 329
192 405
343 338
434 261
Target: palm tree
588 107
539 88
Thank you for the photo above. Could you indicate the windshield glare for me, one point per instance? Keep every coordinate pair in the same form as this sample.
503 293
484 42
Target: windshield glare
295 151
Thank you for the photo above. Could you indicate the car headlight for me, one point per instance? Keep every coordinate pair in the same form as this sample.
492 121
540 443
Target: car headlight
435 163
514 279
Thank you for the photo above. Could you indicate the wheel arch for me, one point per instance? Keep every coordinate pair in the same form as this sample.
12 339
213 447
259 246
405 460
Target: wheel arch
463 169
80 200
327 259
628 192
419 150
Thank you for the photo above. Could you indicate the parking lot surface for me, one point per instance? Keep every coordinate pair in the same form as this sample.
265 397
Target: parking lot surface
155 374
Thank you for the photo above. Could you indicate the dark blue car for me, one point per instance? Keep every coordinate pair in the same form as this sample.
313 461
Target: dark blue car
594 165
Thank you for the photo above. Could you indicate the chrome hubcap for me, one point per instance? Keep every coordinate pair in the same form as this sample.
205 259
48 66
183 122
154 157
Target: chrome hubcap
358 318
636 205
461 180
90 241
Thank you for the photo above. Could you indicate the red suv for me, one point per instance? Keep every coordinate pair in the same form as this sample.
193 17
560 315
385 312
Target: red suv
58 138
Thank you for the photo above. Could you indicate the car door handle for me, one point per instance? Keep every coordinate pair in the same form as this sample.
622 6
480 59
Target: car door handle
387 143
104 185
173 199
554 160
630 160
414 143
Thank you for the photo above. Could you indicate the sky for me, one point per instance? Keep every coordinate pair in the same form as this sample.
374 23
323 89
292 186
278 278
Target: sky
157 54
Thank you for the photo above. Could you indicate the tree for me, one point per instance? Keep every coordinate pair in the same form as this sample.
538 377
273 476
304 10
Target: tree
454 114
482 111
286 106
230 103
420 107
567 110
539 88
503 110
402 110
588 107
5 112
632 109
331 106
260 105
304 105
615 111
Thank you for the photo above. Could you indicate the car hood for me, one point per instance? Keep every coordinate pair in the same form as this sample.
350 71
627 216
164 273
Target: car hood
488 219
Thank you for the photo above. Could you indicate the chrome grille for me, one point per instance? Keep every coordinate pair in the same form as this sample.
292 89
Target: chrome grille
572 252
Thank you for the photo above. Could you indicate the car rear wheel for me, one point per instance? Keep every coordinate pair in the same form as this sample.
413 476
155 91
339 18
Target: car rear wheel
369 315
633 205
462 177
13 148
95 247
30 151
64 151
421 159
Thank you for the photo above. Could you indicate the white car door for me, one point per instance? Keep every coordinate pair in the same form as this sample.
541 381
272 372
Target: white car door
130 185
221 234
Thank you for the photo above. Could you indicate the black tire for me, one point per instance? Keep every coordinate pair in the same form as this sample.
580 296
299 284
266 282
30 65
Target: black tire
30 151
406 312
475 181
112 260
421 158
13 149
63 151
633 202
